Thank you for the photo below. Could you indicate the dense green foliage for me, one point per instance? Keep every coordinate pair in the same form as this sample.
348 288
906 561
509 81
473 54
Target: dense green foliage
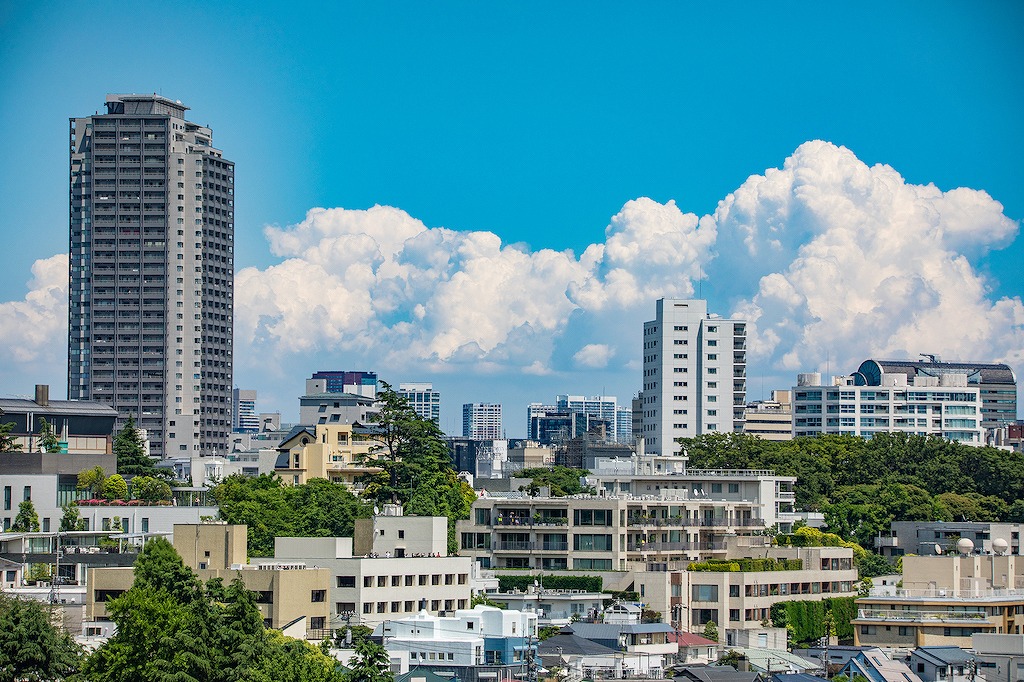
31 648
561 480
588 583
149 489
170 628
48 441
271 509
863 485
733 565
27 520
808 620
7 442
71 520
131 453
370 664
115 488
417 470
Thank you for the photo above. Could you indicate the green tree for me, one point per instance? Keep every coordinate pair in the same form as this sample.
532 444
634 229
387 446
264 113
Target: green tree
149 489
48 441
370 664
27 520
93 480
31 648
115 488
711 631
131 452
416 466
560 480
8 443
870 565
71 520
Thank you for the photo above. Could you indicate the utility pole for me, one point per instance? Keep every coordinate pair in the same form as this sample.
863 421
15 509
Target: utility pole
531 663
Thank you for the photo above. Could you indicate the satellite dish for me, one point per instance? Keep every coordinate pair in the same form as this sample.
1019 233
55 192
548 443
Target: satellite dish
376 511
938 548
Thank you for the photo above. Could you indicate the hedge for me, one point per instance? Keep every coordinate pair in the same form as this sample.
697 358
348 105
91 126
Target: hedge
734 565
587 583
807 618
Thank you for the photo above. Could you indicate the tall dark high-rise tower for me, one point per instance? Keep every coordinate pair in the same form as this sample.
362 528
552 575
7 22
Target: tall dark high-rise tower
152 272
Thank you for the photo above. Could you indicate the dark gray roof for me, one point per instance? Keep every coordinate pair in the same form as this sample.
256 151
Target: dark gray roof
421 674
942 655
612 630
296 430
796 677
714 673
355 397
987 373
568 643
86 407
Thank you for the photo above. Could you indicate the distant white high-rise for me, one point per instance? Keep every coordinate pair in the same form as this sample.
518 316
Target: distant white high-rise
243 413
423 399
481 421
694 374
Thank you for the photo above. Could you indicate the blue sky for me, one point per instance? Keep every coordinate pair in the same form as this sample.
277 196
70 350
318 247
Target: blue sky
539 122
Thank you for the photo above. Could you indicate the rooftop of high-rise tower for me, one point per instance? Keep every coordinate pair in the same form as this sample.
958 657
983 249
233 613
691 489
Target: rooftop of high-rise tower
145 104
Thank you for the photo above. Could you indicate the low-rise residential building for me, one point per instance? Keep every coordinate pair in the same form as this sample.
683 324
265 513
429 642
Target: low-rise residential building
944 601
875 666
632 520
332 451
286 591
470 645
400 567
737 594
941 664
554 607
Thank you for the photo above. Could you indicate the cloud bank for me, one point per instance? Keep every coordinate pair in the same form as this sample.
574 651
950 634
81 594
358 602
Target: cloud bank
826 256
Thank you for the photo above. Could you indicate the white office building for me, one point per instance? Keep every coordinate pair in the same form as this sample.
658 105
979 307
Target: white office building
423 399
482 421
694 374
943 406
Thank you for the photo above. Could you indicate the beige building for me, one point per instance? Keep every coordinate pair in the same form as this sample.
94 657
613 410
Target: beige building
332 451
632 521
286 591
740 600
944 600
770 419
401 568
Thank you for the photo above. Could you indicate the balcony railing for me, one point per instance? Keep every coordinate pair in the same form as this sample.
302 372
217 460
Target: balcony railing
889 615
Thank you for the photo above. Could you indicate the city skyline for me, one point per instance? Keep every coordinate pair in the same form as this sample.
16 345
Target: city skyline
493 199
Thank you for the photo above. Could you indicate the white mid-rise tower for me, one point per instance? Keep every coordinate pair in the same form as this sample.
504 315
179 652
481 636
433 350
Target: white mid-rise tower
694 376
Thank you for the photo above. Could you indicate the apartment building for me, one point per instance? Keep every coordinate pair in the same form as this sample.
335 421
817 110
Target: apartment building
770 419
946 406
333 451
632 520
286 590
940 537
82 426
322 406
244 418
694 374
152 270
944 601
399 567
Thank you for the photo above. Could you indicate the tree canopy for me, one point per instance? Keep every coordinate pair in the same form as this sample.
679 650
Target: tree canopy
417 468
27 520
48 441
131 453
31 648
8 443
561 480
270 509
863 485
170 628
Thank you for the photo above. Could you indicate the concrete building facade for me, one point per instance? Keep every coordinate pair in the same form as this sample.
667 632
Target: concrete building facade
694 374
152 272
945 406
244 418
482 421
423 399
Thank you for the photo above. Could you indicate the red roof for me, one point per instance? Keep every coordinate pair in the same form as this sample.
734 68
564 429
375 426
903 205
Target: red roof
689 639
